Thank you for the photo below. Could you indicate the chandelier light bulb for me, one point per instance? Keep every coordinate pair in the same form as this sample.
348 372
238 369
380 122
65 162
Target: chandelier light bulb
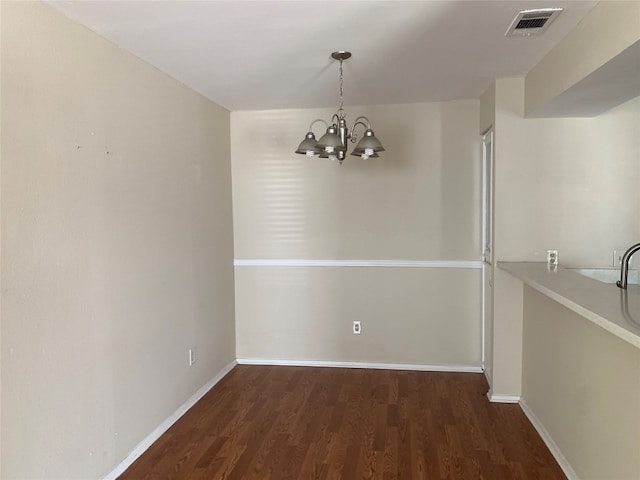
367 153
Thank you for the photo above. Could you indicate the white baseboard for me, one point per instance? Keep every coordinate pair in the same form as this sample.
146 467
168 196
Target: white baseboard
495 398
164 426
555 451
381 366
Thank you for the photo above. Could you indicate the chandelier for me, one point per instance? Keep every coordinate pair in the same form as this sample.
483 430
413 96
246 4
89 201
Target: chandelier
333 144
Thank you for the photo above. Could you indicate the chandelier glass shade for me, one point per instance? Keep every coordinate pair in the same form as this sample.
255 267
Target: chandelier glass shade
333 144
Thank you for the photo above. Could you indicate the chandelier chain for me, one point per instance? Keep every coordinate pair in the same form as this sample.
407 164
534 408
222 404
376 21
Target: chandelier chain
341 108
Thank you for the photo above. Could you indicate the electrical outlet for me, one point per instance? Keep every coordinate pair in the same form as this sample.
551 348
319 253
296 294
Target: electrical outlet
192 356
552 257
357 327
617 257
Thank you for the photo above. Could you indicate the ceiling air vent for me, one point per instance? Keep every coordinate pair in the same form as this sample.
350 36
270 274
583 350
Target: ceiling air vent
532 22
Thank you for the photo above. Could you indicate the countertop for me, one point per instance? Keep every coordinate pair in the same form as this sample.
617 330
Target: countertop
614 309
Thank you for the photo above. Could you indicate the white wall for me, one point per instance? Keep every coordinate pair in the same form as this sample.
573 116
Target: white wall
116 247
419 201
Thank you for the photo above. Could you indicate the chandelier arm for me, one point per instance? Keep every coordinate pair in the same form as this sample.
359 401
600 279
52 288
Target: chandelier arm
357 121
318 120
337 119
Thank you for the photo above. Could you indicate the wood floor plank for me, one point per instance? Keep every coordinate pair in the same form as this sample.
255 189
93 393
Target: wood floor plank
290 423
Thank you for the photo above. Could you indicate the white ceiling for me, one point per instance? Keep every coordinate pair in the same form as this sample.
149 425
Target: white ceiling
256 55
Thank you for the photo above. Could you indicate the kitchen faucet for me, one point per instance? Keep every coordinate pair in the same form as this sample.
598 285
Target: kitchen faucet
624 265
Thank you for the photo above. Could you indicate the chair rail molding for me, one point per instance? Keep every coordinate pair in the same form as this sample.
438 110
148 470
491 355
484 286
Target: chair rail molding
268 262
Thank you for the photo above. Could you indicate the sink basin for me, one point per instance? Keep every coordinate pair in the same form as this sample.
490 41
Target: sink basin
608 275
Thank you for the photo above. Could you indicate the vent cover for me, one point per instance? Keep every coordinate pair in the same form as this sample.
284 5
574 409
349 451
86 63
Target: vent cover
532 22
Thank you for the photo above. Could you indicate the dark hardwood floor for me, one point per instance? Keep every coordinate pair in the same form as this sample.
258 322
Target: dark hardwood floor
284 423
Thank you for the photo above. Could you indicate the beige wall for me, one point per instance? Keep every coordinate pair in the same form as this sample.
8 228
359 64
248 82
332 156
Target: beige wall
569 184
0 244
419 201
603 33
582 383
565 184
488 108
414 316
116 247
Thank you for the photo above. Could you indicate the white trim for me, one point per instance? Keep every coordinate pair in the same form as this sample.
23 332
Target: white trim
268 262
548 440
381 366
503 398
164 426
